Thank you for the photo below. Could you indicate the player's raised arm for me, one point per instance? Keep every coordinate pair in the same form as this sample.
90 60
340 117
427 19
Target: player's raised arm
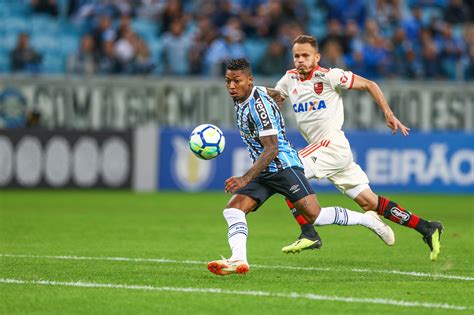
361 83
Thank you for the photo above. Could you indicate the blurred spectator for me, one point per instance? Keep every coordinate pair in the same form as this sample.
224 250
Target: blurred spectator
457 12
352 38
85 60
124 7
387 13
125 22
172 11
375 50
405 62
413 23
344 10
224 48
176 46
202 38
23 58
294 10
431 66
45 6
108 63
275 62
335 33
142 63
150 9
125 48
270 16
222 13
468 59
355 62
86 10
332 56
102 33
450 52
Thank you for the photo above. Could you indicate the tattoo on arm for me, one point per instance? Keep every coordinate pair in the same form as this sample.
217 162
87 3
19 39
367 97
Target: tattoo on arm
270 152
277 97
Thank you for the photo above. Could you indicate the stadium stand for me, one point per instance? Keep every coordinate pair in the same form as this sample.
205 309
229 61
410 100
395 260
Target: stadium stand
383 38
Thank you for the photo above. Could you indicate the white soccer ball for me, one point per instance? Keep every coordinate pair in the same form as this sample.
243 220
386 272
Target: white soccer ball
207 141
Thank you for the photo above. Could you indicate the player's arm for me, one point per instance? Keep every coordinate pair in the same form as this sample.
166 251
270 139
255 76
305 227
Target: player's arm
277 97
361 83
270 152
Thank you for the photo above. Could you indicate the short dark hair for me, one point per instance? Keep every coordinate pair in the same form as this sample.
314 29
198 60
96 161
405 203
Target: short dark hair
307 39
239 64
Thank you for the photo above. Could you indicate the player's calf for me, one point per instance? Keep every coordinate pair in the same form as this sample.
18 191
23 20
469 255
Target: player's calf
431 231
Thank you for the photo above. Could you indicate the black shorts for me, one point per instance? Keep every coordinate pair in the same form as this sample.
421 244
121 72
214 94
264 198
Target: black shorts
290 183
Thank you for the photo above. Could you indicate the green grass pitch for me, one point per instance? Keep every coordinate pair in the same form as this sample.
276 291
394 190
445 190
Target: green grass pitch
60 254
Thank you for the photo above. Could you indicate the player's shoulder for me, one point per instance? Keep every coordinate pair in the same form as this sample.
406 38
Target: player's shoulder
291 74
260 95
259 91
257 94
322 69
332 73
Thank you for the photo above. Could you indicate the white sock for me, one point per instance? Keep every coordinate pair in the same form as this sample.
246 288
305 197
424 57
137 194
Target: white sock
238 233
342 216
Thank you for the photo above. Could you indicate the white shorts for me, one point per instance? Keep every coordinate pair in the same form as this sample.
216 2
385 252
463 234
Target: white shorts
332 159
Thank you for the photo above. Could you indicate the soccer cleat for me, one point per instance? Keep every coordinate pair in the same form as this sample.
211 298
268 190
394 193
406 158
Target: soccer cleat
382 230
433 237
226 267
303 243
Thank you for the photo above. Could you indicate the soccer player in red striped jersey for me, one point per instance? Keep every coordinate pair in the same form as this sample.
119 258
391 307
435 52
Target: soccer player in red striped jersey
317 103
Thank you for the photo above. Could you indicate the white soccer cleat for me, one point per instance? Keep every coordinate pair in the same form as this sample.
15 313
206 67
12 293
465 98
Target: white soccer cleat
382 230
226 267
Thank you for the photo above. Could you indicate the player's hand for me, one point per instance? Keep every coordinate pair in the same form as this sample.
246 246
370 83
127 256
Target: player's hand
394 124
234 183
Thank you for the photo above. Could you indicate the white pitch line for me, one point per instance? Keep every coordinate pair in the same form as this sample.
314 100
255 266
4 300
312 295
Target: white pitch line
292 295
194 262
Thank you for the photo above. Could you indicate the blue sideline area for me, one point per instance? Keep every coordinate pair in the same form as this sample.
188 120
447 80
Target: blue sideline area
422 162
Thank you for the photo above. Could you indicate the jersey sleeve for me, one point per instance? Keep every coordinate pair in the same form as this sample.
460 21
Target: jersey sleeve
264 116
339 78
283 86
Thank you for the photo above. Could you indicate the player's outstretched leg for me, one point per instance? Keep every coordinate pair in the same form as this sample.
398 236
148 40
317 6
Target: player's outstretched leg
339 216
431 231
238 232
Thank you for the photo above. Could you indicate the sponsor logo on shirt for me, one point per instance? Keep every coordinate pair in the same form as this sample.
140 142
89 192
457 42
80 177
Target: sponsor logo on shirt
309 106
262 113
344 79
318 88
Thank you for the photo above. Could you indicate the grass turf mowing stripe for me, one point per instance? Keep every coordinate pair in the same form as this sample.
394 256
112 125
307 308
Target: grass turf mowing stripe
292 295
164 260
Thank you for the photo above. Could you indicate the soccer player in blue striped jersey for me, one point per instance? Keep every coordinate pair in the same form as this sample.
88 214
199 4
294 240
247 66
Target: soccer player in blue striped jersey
276 169
258 116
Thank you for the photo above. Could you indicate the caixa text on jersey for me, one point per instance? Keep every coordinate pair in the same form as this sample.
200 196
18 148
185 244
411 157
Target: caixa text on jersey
309 106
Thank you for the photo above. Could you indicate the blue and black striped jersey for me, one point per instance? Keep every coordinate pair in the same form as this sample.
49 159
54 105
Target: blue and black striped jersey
259 116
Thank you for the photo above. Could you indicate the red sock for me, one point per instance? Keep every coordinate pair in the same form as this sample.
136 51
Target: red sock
397 214
299 218
307 229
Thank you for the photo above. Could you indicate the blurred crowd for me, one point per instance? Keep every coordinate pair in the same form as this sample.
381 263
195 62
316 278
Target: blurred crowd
425 39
